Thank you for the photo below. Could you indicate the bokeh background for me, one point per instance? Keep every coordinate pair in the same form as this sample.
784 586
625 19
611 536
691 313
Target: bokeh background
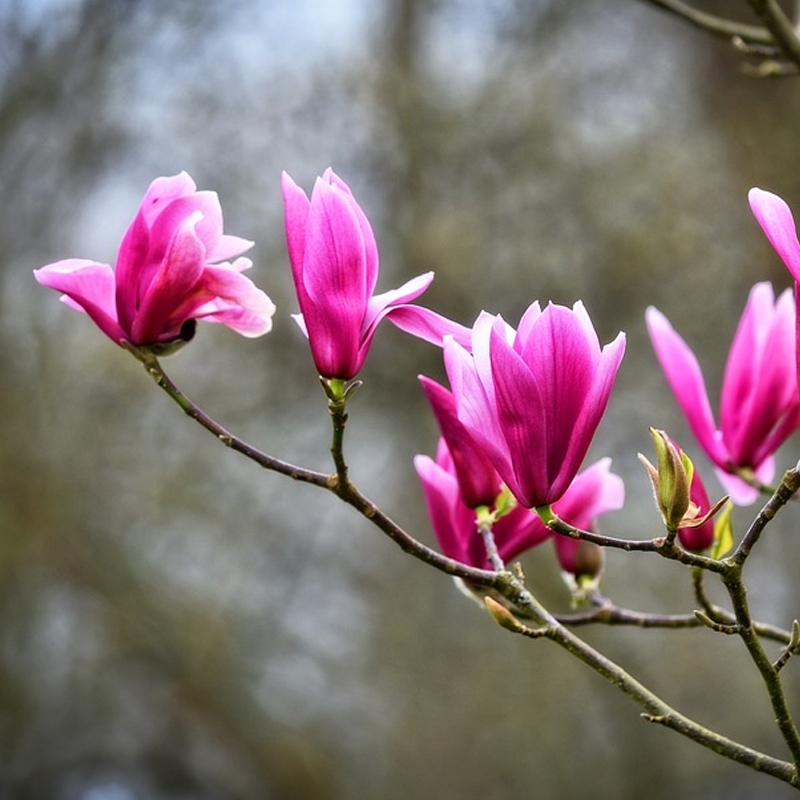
176 623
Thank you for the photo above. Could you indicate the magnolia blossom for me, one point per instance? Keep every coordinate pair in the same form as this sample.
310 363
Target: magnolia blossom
593 492
760 405
171 270
334 261
532 398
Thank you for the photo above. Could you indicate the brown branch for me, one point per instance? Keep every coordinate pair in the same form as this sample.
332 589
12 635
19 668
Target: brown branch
717 26
781 28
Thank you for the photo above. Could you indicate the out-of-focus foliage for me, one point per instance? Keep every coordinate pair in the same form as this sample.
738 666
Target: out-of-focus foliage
175 623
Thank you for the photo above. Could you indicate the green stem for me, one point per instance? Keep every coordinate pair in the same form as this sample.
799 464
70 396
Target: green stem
337 394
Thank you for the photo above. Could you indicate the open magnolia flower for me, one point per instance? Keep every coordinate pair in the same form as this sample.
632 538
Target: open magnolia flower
760 405
533 398
171 270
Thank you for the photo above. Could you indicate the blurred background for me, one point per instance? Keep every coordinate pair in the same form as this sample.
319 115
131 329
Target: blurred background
176 623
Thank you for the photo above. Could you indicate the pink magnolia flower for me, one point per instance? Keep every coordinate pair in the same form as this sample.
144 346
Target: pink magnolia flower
167 275
532 398
760 406
334 261
595 491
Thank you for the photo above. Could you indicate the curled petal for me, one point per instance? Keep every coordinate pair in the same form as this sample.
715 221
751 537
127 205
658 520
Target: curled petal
775 219
428 325
685 378
87 286
238 303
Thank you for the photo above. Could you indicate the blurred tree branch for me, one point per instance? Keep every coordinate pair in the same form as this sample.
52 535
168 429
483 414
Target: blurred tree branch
776 45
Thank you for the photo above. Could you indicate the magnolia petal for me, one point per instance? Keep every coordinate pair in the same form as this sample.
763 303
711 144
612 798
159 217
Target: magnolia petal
296 208
478 481
239 304
335 262
777 222
453 523
89 287
685 378
134 268
474 408
370 245
428 325
746 360
162 192
526 323
523 419
594 406
380 304
564 361
176 279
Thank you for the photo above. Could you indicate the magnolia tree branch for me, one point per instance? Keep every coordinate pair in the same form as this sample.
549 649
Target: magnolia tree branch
717 26
746 628
338 483
783 494
663 545
511 586
655 709
776 44
781 28
769 671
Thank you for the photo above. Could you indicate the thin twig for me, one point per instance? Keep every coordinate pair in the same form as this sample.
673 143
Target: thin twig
732 579
717 26
791 648
511 587
786 490
345 490
655 709
779 25
664 546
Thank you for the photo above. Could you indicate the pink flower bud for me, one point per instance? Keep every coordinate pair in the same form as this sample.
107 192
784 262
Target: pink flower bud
334 259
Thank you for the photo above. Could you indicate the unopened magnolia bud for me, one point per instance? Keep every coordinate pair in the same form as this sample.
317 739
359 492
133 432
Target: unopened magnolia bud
671 479
502 616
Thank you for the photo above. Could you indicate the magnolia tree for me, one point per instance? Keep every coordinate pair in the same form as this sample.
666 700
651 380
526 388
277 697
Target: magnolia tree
516 421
